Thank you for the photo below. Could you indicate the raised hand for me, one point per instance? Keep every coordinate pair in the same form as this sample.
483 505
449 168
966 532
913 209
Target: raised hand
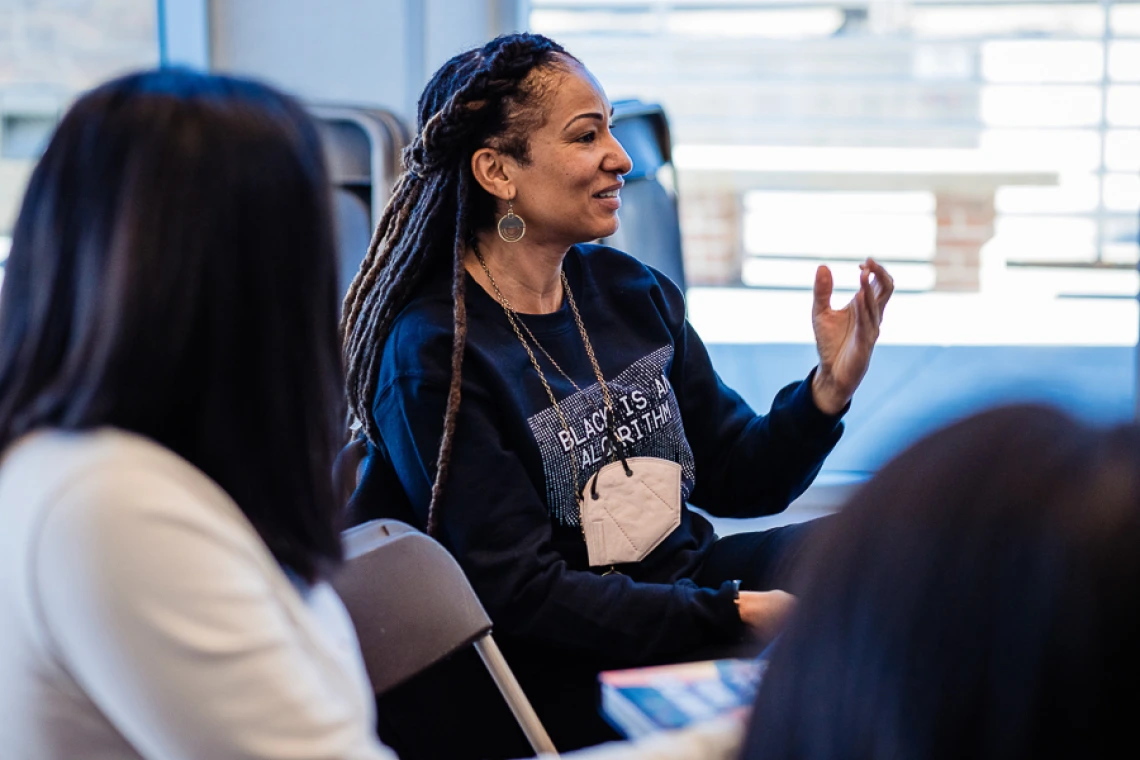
846 337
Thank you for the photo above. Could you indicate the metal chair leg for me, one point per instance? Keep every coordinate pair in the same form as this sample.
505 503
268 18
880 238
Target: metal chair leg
516 699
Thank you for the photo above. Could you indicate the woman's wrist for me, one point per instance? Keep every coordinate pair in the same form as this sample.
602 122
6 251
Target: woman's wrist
826 395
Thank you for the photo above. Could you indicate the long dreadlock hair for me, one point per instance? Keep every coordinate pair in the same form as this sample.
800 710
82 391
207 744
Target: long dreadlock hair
481 98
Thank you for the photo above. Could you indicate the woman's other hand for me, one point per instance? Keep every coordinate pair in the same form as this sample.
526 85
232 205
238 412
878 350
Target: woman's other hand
765 612
846 337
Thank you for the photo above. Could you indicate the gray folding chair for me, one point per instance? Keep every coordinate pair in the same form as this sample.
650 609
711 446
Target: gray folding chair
412 606
362 148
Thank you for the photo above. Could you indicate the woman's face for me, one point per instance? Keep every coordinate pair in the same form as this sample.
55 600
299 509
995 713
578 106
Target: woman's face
569 192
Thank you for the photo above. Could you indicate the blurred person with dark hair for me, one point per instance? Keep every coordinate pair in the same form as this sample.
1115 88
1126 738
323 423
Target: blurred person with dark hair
976 599
170 403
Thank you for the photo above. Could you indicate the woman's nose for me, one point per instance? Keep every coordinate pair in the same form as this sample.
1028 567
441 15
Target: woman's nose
617 160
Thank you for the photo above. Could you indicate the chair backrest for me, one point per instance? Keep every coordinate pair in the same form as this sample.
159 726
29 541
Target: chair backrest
362 147
409 600
353 234
650 224
346 470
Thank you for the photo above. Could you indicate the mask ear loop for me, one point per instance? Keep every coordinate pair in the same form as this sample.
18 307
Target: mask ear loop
619 449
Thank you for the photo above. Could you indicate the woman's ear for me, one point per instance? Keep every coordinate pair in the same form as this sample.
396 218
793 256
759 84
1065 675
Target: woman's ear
492 171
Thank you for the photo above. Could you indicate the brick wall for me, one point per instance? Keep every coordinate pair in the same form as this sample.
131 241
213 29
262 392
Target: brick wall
965 224
711 235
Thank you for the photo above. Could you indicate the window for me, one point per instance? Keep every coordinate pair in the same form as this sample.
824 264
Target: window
50 51
986 151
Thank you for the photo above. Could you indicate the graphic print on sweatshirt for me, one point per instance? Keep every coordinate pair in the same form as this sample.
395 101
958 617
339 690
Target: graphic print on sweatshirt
649 421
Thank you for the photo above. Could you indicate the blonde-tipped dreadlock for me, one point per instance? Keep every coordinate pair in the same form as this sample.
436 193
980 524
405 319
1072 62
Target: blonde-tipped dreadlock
478 98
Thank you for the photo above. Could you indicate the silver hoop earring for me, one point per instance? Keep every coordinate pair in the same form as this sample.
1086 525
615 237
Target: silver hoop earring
511 227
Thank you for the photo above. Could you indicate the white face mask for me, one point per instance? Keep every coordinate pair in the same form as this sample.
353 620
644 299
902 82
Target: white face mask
630 507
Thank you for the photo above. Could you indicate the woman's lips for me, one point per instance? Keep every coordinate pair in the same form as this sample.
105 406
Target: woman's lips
610 199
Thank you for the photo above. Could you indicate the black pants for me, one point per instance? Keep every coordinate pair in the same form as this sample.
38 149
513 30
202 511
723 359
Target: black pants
453 710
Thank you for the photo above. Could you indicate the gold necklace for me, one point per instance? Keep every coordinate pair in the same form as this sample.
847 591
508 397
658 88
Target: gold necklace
519 326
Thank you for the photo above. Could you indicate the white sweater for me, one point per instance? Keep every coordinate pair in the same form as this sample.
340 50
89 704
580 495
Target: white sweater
141 616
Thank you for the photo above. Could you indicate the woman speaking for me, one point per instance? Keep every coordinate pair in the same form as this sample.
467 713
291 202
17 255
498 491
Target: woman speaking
548 411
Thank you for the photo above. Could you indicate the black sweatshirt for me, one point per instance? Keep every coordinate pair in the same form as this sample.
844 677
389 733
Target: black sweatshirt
508 511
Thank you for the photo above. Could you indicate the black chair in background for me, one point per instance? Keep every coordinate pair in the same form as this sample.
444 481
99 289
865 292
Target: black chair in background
362 147
650 224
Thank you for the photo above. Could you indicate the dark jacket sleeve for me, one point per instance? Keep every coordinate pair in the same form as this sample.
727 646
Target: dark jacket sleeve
495 522
747 464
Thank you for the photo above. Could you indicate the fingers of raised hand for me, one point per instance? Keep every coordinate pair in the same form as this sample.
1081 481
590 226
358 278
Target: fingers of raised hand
822 289
884 283
868 311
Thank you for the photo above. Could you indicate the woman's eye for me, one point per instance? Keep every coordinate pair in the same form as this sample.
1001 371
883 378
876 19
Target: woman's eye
589 137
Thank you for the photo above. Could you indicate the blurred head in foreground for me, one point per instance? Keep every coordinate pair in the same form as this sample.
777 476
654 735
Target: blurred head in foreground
173 273
979 597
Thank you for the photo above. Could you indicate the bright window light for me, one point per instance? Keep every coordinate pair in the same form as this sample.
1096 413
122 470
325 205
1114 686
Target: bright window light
1122 192
858 224
1042 61
1018 106
787 24
594 21
1065 149
793 274
1124 106
1126 19
1124 60
978 20
1074 193
1122 149
1034 238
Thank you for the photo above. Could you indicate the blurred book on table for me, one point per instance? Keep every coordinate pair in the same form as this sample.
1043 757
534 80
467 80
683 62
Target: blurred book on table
641 701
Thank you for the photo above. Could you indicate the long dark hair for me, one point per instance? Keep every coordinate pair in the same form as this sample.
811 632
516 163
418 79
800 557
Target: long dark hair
480 98
173 273
978 598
